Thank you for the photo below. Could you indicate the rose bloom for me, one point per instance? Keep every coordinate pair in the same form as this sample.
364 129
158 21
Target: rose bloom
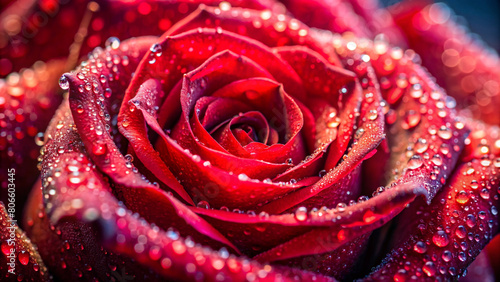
246 140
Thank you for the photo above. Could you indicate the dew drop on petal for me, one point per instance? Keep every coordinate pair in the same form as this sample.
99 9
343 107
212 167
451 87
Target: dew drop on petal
301 214
462 197
440 239
447 256
203 205
415 162
420 247
444 132
24 257
421 145
64 82
113 43
461 232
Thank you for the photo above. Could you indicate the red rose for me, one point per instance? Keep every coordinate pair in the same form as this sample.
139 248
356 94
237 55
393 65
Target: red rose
244 145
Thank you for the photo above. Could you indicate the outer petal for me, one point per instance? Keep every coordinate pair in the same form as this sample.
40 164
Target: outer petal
27 101
439 241
337 16
19 260
30 25
467 69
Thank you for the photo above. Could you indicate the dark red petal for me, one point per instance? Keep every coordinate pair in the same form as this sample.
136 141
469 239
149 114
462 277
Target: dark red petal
481 269
337 16
419 115
27 101
71 177
256 51
233 136
33 38
282 112
272 29
149 97
170 255
439 241
466 68
19 260
328 264
70 251
92 111
410 183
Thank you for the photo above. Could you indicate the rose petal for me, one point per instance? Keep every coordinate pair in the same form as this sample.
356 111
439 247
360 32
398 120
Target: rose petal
454 228
72 177
337 16
328 263
480 269
369 134
379 20
27 101
462 65
271 29
225 40
93 203
351 222
88 93
94 21
20 259
70 251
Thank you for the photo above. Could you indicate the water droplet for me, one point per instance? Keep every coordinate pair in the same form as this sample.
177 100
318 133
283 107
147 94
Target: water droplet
113 43
416 91
203 205
447 256
462 197
485 194
412 119
494 210
301 214
461 232
471 220
444 132
462 256
420 247
429 268
437 160
39 139
421 145
99 148
64 82
474 184
243 177
415 162
333 122
440 239
6 248
79 109
24 257
156 49
445 149
372 115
